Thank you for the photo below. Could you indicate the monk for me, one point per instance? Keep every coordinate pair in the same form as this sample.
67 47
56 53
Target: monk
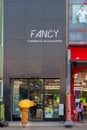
24 119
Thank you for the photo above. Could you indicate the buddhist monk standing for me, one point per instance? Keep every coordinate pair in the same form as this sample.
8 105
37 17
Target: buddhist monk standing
24 119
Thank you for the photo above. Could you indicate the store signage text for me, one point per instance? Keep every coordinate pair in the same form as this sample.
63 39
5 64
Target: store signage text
52 87
44 36
44 33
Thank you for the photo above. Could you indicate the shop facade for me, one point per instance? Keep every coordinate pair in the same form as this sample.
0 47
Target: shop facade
78 84
35 58
44 92
78 55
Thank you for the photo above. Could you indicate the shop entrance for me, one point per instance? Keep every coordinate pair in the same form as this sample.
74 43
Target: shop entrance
44 92
36 91
52 99
80 85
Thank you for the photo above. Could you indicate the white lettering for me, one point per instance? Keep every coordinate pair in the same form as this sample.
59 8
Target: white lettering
39 34
32 33
44 34
56 33
50 33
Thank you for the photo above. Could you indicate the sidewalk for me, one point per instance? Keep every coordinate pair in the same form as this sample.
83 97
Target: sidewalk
37 123
46 124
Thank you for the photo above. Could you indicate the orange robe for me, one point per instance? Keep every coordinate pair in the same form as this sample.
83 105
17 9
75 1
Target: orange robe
24 118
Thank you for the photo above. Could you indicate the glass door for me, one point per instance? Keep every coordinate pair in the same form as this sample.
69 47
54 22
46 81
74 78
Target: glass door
19 92
36 95
80 90
52 98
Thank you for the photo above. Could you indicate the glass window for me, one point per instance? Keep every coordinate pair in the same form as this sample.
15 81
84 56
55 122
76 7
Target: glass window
20 91
52 98
36 95
77 22
80 89
44 92
80 86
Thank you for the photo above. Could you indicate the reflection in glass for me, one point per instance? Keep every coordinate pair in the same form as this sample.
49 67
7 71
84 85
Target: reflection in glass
20 91
46 106
36 95
52 98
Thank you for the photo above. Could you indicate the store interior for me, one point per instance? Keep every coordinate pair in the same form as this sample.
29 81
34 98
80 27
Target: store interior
80 89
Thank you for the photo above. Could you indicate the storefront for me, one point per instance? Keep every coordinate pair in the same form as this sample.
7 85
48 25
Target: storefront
78 48
78 78
35 57
44 92
80 87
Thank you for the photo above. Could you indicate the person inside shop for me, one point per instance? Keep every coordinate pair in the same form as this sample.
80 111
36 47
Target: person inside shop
80 110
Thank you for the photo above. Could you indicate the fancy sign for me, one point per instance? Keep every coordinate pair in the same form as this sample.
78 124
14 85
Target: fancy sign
44 33
44 36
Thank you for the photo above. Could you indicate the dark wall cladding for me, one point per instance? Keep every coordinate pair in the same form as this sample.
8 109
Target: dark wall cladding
37 10
34 42
34 38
